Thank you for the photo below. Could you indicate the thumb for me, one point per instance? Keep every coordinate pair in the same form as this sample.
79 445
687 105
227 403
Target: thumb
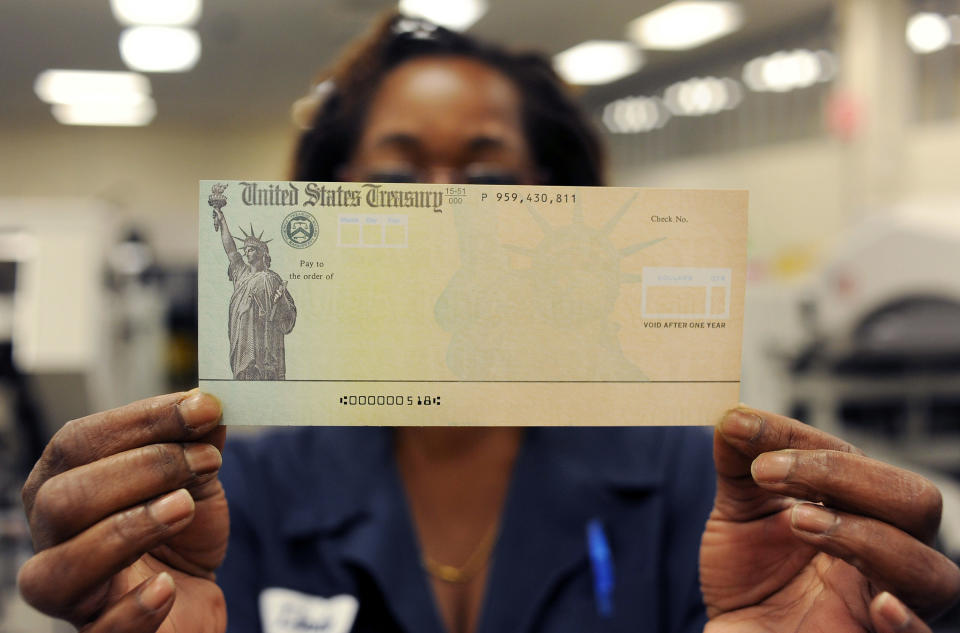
739 498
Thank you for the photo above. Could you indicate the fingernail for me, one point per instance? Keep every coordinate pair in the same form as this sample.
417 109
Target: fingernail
773 467
199 408
740 425
893 611
174 507
812 518
202 458
157 592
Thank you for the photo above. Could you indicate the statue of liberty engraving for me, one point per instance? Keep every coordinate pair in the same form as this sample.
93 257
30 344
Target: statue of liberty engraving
262 311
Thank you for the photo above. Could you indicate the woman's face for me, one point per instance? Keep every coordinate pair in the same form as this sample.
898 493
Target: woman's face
444 120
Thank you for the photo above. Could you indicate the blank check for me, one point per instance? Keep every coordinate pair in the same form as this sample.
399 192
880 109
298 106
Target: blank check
457 305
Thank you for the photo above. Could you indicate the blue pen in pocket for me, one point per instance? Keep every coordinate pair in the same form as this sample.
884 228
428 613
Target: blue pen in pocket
601 562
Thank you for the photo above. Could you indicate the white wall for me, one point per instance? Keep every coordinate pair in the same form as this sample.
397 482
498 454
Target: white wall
932 161
149 175
795 192
798 197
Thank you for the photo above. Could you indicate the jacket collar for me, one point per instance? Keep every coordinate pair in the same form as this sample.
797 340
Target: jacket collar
345 467
564 477
341 470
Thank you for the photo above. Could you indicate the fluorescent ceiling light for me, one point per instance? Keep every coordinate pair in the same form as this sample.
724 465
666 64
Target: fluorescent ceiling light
685 24
96 97
702 95
632 115
159 49
789 70
798 69
783 71
927 32
91 86
105 113
456 15
156 12
597 62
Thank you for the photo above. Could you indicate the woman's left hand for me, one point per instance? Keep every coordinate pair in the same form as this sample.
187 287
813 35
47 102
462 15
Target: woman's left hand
807 534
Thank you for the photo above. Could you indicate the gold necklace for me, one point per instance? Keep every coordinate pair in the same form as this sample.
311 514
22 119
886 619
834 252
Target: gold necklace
474 563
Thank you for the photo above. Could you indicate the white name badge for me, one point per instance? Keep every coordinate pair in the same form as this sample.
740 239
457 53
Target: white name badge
288 611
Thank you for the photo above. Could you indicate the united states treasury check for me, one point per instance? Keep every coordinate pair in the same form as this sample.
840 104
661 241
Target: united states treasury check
410 304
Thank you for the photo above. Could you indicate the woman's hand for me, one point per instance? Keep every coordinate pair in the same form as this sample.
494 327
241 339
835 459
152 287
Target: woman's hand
807 534
126 511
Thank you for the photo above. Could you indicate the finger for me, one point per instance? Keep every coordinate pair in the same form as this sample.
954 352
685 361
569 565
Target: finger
76 499
746 433
170 418
856 484
890 558
889 615
57 580
142 610
741 436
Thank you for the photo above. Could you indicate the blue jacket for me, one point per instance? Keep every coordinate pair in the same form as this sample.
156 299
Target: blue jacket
321 512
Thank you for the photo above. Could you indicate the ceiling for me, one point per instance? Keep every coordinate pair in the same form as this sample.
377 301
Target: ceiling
260 56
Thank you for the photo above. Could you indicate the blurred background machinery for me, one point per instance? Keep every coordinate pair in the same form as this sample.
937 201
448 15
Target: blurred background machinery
88 321
883 363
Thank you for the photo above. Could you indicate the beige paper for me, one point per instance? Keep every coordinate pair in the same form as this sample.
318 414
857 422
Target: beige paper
409 304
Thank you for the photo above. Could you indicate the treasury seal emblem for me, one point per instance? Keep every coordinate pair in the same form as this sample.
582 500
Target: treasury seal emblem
299 229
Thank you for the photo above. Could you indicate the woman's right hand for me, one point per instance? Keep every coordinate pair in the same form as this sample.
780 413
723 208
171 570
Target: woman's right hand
129 520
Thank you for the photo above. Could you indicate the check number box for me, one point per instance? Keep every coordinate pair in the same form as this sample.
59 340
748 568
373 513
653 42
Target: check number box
365 230
686 293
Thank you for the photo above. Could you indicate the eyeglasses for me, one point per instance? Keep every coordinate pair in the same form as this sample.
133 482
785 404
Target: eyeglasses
480 174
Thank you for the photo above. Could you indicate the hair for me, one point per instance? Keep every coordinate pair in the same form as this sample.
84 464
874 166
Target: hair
563 144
